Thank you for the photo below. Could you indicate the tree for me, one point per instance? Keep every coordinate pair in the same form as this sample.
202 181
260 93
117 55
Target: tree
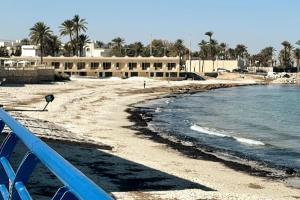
117 46
25 41
3 52
176 47
210 34
264 58
100 44
68 49
83 39
231 54
214 51
158 47
240 51
52 45
67 29
223 51
204 52
285 54
134 49
78 26
39 33
297 56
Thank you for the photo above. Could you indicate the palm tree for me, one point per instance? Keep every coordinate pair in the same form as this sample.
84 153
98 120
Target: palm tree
25 41
67 29
118 44
137 47
203 53
39 33
240 50
297 55
223 46
78 26
210 34
100 44
53 45
287 47
83 39
214 49
179 46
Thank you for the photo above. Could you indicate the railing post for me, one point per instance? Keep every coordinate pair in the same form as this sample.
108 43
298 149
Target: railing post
24 171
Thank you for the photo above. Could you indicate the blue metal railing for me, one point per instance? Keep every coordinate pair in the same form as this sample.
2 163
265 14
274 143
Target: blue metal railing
12 184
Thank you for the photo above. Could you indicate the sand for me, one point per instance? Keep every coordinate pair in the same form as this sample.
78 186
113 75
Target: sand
94 111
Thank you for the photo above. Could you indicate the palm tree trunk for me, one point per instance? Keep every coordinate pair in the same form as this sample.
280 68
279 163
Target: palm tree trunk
71 42
77 40
42 52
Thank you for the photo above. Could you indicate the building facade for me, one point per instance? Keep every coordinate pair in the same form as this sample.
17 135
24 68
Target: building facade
203 66
90 50
116 66
156 67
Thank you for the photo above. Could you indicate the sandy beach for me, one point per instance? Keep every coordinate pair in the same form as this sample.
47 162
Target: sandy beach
93 111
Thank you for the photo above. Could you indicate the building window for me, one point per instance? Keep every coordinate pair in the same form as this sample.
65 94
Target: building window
173 74
106 65
117 66
158 66
133 74
68 65
145 66
132 66
94 65
80 65
159 74
171 66
55 65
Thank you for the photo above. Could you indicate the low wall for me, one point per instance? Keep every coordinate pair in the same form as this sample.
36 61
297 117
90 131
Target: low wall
200 66
26 75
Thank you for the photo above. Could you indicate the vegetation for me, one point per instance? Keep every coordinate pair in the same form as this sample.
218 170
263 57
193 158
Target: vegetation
74 29
39 34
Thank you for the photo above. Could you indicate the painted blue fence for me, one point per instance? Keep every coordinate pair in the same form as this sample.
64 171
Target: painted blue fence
12 184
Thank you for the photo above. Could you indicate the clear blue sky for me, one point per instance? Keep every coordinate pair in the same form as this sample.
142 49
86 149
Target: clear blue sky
255 23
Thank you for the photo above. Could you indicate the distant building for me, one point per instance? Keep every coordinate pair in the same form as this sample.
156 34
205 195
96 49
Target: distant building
10 45
91 50
29 51
200 66
156 67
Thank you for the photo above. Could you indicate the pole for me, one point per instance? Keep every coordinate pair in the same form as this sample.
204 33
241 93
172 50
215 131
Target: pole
151 45
190 55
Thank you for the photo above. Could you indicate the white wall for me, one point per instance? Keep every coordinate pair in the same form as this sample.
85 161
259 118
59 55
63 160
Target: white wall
91 51
200 66
29 51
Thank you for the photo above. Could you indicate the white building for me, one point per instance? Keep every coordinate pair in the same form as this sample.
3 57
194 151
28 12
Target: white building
90 50
29 51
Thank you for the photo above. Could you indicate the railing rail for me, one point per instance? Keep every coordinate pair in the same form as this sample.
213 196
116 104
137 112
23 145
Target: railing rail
12 184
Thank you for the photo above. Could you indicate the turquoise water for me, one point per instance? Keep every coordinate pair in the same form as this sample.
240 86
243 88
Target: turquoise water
260 123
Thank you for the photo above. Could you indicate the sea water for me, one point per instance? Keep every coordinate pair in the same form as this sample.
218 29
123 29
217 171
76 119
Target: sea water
260 123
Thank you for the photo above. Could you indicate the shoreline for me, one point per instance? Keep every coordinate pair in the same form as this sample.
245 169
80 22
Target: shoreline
141 117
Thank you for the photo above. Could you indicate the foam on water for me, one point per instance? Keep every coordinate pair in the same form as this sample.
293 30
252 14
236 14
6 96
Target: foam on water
221 134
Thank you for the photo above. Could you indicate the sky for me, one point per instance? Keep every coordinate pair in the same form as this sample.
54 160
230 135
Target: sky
255 23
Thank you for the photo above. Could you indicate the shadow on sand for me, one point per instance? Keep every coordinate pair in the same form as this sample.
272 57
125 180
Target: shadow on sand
112 173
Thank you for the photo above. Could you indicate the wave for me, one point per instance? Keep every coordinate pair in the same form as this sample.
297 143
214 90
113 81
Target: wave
219 134
158 110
